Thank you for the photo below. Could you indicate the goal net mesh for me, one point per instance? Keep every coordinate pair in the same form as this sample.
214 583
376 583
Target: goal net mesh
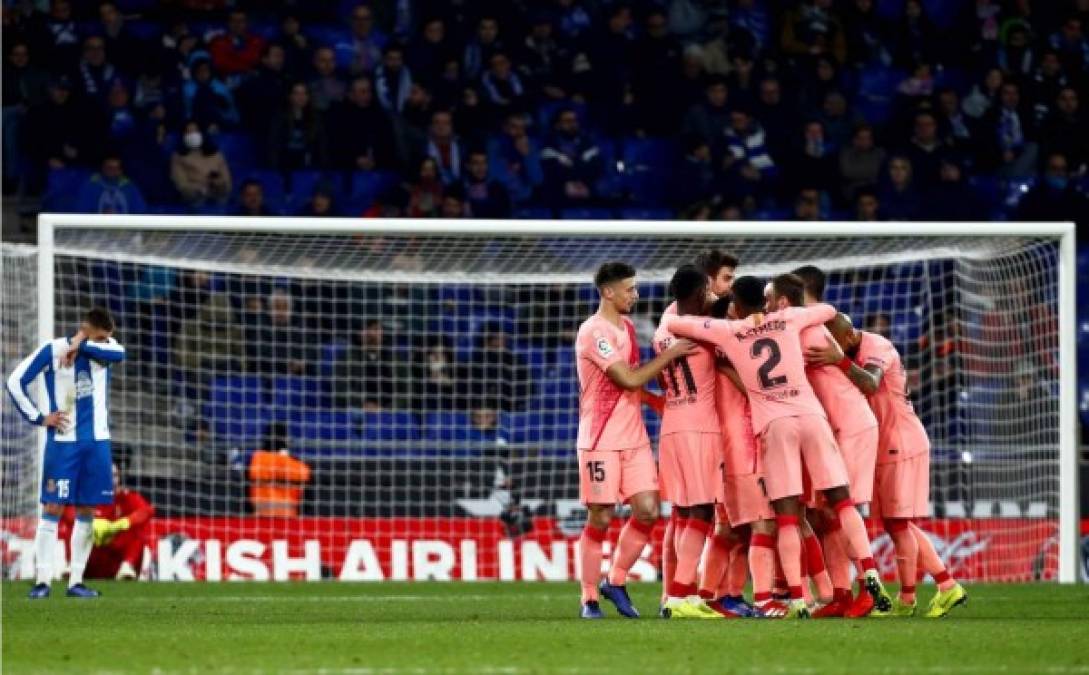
424 388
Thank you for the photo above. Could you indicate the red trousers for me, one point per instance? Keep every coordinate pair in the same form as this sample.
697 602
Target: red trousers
127 546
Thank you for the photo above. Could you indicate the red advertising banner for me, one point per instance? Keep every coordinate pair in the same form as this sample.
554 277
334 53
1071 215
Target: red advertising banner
376 549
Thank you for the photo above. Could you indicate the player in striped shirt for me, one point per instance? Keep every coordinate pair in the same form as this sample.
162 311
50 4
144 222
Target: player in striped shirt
77 466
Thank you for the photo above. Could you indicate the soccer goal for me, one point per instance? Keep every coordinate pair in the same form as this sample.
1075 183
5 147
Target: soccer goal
396 399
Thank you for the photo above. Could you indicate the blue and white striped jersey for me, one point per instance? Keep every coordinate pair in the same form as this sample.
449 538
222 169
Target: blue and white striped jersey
81 390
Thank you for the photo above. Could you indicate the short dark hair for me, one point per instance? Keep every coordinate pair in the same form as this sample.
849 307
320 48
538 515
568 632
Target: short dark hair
790 286
611 272
813 279
712 260
721 307
100 317
748 293
687 281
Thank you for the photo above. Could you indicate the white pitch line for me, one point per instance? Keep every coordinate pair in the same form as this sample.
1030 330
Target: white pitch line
348 598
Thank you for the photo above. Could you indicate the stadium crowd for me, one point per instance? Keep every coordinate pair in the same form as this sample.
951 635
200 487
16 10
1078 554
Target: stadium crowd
706 109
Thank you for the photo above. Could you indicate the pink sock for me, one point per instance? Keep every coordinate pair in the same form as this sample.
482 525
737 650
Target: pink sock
790 554
715 559
737 572
633 539
590 557
907 553
669 552
931 562
814 561
689 549
854 529
762 565
839 565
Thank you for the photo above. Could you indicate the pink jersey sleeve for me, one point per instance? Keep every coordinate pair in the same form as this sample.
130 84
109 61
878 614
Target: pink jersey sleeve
901 434
735 418
810 315
846 407
600 348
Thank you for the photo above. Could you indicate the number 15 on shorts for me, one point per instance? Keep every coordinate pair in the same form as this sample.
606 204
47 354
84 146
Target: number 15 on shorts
596 471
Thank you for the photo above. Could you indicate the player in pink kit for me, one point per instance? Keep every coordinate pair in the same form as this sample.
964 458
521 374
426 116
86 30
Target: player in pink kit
789 420
615 460
902 482
746 504
690 447
719 267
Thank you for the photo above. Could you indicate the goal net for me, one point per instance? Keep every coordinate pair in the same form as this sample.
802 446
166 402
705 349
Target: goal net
379 400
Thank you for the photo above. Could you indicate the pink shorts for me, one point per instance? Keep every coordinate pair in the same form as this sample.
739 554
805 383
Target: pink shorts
691 467
859 452
613 476
902 489
746 501
787 442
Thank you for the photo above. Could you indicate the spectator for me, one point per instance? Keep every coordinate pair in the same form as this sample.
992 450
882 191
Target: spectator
837 120
1011 128
571 161
484 425
1047 83
656 57
57 38
916 38
486 198
425 195
436 372
860 162
1071 43
359 53
984 95
264 90
814 164
879 323
956 130
296 47
24 87
478 52
428 54
320 204
110 191
778 117
209 341
121 120
95 75
807 205
609 55
1016 56
284 346
238 51
709 119
811 29
495 376
472 119
1055 198
444 147
749 167
363 131
121 533
277 480
546 61
951 198
123 48
898 197
695 178
453 203
515 159
251 200
925 150
198 169
297 135
866 34
1065 130
326 87
392 80
753 24
502 87
867 205
207 99
368 382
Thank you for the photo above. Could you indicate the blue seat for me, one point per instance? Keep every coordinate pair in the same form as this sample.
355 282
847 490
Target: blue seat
389 426
238 390
236 410
239 151
323 425
303 184
61 188
533 213
525 427
647 167
560 425
367 186
646 214
145 31
448 426
293 397
586 214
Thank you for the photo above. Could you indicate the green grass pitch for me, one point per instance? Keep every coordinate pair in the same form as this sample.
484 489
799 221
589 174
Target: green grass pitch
511 629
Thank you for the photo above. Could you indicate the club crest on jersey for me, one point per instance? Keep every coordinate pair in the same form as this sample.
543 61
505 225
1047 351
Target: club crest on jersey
604 348
50 485
84 386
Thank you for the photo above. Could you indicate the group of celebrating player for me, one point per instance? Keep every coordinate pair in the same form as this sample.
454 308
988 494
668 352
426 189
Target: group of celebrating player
779 419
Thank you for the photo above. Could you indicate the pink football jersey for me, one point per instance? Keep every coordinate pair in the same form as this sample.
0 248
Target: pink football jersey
689 386
900 433
735 418
610 418
847 409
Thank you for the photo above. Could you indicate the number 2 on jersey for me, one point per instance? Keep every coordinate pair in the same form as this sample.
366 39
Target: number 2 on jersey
767 380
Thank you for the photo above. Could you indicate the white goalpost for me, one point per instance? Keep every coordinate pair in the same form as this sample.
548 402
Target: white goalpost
421 371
